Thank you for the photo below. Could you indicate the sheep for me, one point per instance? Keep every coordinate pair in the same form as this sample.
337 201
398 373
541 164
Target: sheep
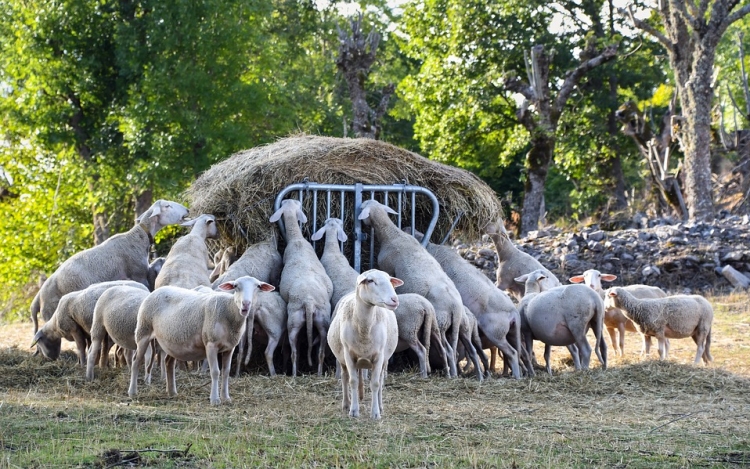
513 263
304 285
73 318
187 262
261 260
414 314
223 258
123 256
496 315
270 318
364 335
614 320
403 256
153 271
115 316
342 275
191 325
673 317
561 316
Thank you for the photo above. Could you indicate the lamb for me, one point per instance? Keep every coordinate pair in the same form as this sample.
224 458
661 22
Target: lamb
222 260
123 256
414 314
342 275
403 256
364 335
115 316
561 316
496 315
614 319
304 285
513 263
673 317
73 318
187 262
260 260
190 325
268 317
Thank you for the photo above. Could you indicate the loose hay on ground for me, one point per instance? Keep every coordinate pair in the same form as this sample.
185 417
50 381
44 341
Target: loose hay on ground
240 190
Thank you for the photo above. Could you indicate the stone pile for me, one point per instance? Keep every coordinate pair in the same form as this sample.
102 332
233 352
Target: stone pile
679 257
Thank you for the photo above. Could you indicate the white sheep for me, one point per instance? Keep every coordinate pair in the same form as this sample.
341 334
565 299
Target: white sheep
403 256
513 263
72 320
304 285
187 262
614 319
497 317
268 317
190 325
342 275
416 318
561 316
123 256
260 260
364 335
673 317
114 322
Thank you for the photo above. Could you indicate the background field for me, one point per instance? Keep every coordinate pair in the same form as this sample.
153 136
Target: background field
638 413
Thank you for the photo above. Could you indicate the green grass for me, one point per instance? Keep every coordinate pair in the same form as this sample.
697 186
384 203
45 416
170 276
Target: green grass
638 413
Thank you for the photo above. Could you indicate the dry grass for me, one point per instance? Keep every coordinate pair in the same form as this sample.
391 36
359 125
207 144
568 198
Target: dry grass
638 413
240 190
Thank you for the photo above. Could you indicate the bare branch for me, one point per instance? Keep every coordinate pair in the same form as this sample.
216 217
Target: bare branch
514 84
681 8
643 26
737 15
740 37
574 76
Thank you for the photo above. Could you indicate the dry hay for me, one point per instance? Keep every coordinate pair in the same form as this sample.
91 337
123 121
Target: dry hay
240 191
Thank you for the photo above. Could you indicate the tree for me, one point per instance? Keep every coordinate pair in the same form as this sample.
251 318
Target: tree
690 34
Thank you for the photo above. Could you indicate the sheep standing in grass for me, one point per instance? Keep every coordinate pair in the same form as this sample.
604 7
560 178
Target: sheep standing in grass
364 335
614 320
561 316
673 317
114 321
304 285
73 318
123 256
416 316
187 262
496 315
513 263
402 255
260 260
342 275
190 325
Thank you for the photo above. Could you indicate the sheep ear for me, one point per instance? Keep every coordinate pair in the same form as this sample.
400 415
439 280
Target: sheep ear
396 282
364 213
577 279
276 216
522 278
609 277
318 234
37 336
301 215
189 222
266 286
390 210
227 286
341 236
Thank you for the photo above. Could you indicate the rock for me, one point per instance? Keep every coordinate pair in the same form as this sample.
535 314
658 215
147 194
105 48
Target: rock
736 278
595 235
650 270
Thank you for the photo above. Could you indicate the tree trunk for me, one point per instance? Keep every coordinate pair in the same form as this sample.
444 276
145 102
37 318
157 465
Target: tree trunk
101 227
537 162
143 202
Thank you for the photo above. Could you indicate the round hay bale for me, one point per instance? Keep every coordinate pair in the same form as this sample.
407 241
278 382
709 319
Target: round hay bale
240 190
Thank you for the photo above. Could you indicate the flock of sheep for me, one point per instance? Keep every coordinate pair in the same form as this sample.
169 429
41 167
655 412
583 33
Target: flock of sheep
177 309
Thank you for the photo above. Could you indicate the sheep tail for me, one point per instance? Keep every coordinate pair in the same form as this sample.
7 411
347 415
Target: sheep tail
601 344
426 332
35 311
309 316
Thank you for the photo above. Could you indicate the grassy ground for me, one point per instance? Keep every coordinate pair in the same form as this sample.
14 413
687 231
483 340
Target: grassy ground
638 413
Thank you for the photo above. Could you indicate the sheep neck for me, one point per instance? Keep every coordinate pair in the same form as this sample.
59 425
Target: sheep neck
629 304
384 227
332 242
146 227
291 225
364 317
503 246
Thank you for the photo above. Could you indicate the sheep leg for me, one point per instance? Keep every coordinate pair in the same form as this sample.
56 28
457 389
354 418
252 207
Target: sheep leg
212 357
437 340
270 349
620 346
240 351
354 379
104 346
493 358
139 355
96 344
80 339
472 353
345 387
575 354
707 358
547 362
527 345
584 352
497 336
295 323
170 364
455 332
226 363
376 386
646 344
322 327
613 336
662 348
